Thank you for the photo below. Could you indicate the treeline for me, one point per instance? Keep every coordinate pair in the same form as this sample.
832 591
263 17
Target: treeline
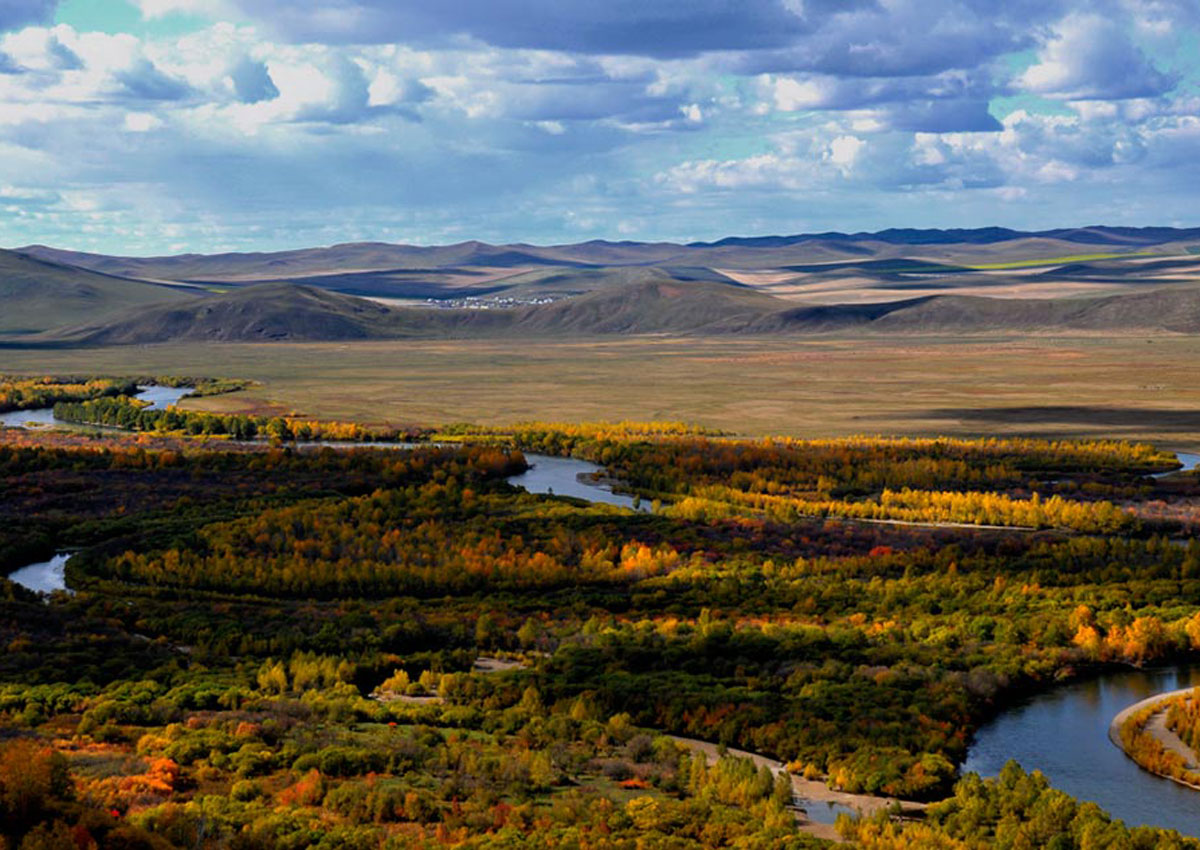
438 537
981 482
563 438
672 459
237 605
917 506
131 415
1015 809
200 386
1183 715
30 393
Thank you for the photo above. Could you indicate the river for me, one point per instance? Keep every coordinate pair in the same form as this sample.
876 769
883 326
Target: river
160 398
1189 460
1063 732
43 577
561 476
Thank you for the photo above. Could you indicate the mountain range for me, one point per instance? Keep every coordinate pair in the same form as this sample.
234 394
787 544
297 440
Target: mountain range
916 281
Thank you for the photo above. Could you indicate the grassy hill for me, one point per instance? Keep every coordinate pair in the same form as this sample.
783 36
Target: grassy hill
652 303
266 313
36 295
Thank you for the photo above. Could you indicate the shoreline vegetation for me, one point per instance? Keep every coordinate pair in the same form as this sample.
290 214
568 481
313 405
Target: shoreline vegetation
1151 733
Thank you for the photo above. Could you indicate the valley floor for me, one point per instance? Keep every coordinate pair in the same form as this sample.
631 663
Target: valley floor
1127 387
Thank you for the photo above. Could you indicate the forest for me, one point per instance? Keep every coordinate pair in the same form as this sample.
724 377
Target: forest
28 393
132 415
267 644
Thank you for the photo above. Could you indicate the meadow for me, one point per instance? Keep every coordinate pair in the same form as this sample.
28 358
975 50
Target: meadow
1079 385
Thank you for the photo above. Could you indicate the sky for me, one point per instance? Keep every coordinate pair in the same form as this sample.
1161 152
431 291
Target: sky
165 126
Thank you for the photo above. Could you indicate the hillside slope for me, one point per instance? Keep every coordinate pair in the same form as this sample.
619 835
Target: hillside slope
650 301
36 295
1170 309
267 313
655 301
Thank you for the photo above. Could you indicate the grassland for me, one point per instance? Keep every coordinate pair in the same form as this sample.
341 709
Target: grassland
1054 261
1128 386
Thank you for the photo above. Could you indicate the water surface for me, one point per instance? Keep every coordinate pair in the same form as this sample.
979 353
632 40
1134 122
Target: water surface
160 398
1064 734
1189 460
43 577
559 476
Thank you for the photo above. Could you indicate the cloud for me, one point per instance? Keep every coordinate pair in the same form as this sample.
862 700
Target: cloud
142 122
20 13
804 162
62 57
953 101
144 81
903 38
1091 57
661 28
336 91
252 81
310 121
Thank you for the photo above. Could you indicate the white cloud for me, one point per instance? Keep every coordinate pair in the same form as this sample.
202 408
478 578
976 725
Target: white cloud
142 122
1091 57
790 94
844 150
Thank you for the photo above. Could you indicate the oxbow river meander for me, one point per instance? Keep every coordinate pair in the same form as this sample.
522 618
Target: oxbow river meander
1062 732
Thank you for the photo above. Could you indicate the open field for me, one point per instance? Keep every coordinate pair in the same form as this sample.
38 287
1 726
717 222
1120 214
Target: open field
1071 386
1052 261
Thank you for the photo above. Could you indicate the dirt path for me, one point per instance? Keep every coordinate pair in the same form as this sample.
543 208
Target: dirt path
808 790
1156 727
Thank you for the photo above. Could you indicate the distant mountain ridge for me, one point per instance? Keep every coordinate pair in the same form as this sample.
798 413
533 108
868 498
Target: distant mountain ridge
596 252
1093 235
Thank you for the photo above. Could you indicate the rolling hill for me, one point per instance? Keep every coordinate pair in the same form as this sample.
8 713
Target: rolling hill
266 313
36 295
281 312
654 303
895 281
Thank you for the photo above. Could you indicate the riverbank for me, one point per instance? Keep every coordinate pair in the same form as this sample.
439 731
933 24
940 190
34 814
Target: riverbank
810 792
1155 727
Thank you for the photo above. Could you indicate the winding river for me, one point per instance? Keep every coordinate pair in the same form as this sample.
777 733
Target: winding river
1062 732
1189 461
160 398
